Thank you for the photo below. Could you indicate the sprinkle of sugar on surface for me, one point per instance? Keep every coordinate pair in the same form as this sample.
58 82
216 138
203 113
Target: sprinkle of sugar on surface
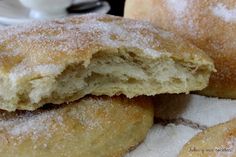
87 113
47 69
180 9
43 70
45 123
90 116
30 124
223 12
178 6
44 42
25 126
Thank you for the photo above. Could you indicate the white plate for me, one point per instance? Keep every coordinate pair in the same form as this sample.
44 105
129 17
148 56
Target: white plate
12 12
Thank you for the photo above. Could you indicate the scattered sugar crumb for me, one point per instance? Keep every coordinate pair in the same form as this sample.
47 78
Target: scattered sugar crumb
48 69
178 6
29 124
223 12
42 42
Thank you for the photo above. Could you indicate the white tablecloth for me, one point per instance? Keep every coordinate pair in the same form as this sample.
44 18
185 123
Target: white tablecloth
182 112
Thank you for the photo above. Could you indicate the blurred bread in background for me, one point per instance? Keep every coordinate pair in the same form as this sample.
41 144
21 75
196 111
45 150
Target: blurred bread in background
209 24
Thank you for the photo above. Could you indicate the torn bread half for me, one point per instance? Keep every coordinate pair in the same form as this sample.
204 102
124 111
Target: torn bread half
63 60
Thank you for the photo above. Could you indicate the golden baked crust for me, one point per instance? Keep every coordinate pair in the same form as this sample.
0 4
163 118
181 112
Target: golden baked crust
92 126
209 24
219 140
63 60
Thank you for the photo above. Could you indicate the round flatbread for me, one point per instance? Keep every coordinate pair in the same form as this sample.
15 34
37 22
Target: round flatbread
92 126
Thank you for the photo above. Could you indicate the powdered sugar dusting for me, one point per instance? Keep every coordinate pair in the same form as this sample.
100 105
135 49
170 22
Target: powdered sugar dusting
180 9
153 53
178 6
223 12
43 42
48 69
87 113
117 36
44 123
31 124
43 70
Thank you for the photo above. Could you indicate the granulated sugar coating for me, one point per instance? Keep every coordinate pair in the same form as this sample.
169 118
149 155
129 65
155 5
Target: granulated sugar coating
62 60
92 126
72 37
222 11
68 37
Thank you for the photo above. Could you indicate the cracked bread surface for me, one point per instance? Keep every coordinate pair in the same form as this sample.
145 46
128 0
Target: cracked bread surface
63 60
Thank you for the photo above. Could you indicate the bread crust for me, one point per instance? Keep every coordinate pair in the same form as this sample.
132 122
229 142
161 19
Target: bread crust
209 24
92 126
62 60
218 140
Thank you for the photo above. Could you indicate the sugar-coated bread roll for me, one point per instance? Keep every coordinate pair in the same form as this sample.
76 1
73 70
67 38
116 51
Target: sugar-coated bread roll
209 24
90 127
63 60
217 141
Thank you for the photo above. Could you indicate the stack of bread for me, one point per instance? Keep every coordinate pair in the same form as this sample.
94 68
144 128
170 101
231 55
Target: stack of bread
80 86
211 26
